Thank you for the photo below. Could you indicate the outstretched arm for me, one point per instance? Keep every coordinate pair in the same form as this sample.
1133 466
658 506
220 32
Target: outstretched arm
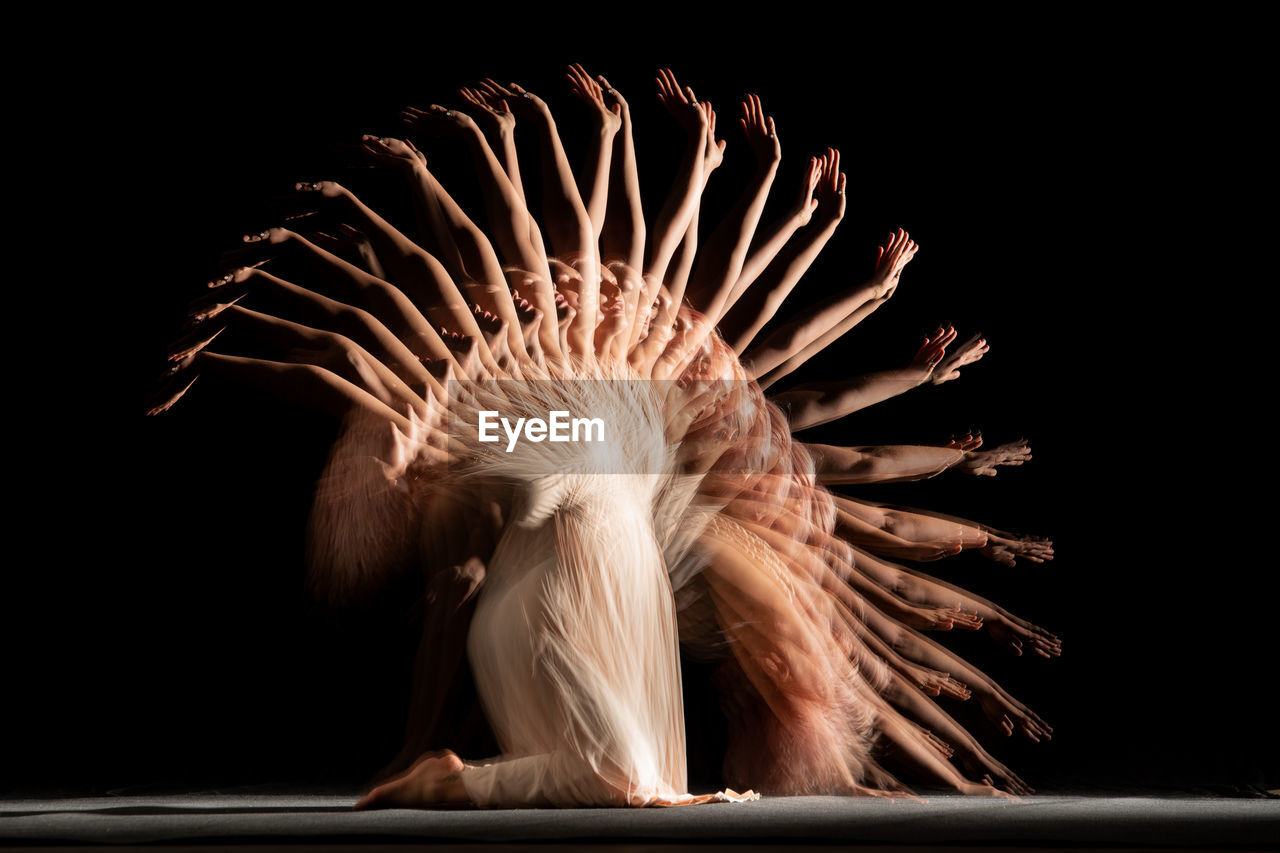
923 589
465 250
500 127
623 237
721 260
890 463
565 218
793 337
748 309
1002 709
516 240
673 219
820 402
796 361
406 266
816 403
776 275
606 121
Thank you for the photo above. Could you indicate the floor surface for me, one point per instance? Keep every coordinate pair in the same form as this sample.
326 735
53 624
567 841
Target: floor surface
312 819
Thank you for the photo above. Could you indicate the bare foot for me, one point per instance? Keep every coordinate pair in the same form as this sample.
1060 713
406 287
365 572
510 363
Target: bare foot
434 780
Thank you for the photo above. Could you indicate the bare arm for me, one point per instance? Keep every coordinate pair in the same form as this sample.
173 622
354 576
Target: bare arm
623 236
721 261
568 227
880 464
793 337
518 242
818 403
748 309
673 219
606 122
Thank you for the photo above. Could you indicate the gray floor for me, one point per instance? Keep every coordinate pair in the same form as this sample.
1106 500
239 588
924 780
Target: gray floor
944 820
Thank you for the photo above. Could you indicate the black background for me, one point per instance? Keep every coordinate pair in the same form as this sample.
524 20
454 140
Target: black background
159 633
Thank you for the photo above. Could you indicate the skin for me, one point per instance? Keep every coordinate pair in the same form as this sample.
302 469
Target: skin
747 310
623 235
422 279
518 243
466 252
793 343
373 326
721 261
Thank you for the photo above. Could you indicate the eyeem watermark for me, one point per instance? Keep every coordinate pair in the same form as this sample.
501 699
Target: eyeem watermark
560 428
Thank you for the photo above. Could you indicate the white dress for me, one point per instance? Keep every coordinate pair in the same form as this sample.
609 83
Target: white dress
573 643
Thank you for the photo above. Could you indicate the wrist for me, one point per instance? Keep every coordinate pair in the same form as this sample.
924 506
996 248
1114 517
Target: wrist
828 218
919 373
767 166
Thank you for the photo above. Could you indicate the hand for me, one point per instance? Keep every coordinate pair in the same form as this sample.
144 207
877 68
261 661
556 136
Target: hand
760 131
439 121
979 762
590 93
1008 549
927 618
494 110
891 259
494 92
682 104
398 153
934 349
1010 715
1014 632
983 463
622 109
522 100
713 154
970 351
936 683
807 203
326 189
971 441
352 245
830 190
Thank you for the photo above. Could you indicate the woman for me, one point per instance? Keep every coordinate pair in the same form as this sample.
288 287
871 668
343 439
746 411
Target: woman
698 526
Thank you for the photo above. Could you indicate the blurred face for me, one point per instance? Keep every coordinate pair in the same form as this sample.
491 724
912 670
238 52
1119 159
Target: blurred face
646 313
613 306
630 285
567 282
